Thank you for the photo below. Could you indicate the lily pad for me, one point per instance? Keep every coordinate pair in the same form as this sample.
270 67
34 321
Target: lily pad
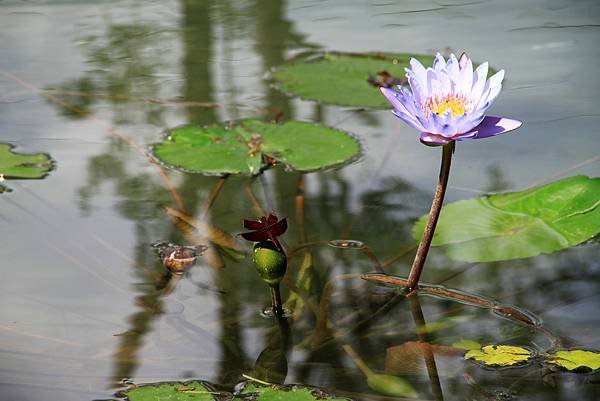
17 165
499 355
522 224
576 359
342 78
249 146
287 393
171 391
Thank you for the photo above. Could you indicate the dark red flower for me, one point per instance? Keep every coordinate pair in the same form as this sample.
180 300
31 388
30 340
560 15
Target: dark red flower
265 229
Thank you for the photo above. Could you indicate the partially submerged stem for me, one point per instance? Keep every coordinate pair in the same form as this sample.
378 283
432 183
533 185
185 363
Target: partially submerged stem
434 214
213 195
360 364
276 300
432 372
479 301
258 209
266 191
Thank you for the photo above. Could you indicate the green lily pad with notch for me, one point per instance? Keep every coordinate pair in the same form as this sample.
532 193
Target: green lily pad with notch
23 166
523 224
249 146
341 78
576 360
500 355
284 393
171 391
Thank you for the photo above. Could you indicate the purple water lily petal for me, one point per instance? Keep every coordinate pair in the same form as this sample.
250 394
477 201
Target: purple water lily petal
401 110
448 101
433 140
492 126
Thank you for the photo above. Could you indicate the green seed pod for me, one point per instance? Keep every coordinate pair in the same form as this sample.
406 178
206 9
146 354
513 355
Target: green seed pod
270 262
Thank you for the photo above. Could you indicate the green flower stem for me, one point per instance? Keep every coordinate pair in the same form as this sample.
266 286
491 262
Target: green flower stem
276 300
434 214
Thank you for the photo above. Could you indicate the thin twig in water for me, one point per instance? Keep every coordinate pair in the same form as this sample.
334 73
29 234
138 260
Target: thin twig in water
266 192
258 209
213 195
111 129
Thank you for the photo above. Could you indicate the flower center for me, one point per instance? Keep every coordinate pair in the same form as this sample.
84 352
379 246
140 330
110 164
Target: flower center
456 103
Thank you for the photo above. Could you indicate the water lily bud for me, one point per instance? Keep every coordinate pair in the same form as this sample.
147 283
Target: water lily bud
270 262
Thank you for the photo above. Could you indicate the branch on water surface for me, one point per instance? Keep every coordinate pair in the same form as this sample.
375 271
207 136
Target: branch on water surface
508 311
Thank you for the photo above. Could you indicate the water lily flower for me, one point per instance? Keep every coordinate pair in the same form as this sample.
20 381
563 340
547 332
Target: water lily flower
267 228
268 255
447 102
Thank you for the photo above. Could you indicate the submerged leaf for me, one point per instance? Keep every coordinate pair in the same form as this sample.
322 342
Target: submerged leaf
391 385
576 359
16 165
286 393
345 78
467 345
499 355
522 224
196 231
174 391
249 146
408 358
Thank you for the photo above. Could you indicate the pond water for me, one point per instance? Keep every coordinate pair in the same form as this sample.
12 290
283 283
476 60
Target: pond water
85 302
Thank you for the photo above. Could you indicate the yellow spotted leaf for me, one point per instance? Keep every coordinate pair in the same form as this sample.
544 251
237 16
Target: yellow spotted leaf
499 355
576 359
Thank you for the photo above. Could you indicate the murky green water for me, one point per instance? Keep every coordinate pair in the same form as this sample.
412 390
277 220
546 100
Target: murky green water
86 303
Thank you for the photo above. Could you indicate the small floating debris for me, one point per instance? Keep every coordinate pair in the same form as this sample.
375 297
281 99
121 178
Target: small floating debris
346 244
177 258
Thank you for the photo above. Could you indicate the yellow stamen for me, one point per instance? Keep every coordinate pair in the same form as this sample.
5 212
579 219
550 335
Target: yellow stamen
456 103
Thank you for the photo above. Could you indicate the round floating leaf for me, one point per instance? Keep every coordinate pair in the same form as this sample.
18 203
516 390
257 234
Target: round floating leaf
576 359
499 355
173 391
522 224
16 165
249 146
286 393
342 78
